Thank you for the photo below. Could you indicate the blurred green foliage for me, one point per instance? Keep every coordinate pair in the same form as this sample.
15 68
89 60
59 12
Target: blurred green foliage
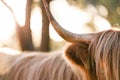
113 7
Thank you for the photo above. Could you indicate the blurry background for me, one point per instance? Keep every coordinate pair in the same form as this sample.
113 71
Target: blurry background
24 25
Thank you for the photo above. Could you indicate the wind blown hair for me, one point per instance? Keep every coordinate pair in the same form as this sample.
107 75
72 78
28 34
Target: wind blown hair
105 55
41 67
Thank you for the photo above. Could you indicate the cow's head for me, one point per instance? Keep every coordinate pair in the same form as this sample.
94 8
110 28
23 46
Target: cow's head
105 55
92 53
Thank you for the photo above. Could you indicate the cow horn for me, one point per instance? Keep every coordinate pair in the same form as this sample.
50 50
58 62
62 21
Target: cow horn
68 36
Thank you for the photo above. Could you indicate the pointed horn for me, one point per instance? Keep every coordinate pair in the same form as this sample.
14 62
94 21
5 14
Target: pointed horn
68 36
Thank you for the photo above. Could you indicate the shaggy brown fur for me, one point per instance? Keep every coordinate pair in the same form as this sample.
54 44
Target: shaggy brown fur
52 66
7 59
98 61
41 67
105 51
78 57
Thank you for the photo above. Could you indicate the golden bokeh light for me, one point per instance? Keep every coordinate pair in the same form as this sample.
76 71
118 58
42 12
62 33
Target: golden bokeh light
7 25
70 17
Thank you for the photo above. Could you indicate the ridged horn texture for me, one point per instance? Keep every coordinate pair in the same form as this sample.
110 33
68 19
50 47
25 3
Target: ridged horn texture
66 35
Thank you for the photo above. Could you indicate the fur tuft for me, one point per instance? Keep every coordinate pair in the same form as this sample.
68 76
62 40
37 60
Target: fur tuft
105 51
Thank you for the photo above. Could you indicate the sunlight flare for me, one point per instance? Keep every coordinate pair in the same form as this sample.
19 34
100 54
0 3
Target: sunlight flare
18 7
7 25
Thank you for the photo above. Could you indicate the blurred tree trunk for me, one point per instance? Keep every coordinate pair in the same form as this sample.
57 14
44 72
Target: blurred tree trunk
24 33
44 46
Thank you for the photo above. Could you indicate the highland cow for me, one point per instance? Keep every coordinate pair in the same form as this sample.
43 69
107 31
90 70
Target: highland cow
94 56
